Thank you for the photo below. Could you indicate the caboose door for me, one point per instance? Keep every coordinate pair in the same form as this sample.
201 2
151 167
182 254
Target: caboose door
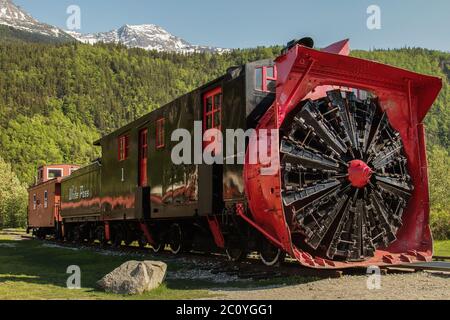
210 179
143 155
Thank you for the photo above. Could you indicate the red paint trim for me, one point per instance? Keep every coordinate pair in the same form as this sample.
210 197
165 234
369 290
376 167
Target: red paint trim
119 148
123 147
143 157
359 173
240 212
160 137
206 114
107 232
211 114
214 226
265 77
147 233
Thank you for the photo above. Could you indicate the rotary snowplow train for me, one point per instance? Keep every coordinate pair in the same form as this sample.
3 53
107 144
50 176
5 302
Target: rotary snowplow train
350 186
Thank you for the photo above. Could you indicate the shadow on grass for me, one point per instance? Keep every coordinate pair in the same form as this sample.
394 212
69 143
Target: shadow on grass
33 262
30 261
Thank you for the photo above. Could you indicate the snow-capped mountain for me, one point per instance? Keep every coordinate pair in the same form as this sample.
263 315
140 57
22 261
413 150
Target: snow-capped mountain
145 36
13 16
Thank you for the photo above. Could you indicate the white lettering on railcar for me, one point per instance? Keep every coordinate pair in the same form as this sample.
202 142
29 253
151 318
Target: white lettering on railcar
80 192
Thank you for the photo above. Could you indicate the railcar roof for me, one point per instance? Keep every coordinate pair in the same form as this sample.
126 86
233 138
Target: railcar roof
58 164
47 182
146 117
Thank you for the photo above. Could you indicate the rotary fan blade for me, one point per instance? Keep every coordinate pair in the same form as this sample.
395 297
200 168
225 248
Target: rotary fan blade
344 176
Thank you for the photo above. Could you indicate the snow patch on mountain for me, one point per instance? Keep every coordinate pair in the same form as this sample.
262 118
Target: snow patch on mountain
145 36
13 16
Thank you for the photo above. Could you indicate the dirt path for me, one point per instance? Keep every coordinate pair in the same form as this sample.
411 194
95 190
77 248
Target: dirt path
420 285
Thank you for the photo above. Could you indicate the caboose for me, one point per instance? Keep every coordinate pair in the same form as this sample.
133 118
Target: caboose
350 185
44 199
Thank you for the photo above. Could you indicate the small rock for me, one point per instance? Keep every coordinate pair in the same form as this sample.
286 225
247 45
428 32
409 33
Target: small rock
134 277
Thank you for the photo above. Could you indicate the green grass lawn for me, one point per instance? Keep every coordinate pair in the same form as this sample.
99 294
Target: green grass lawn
29 270
442 248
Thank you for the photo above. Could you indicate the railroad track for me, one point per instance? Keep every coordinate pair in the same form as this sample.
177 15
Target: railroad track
216 263
250 268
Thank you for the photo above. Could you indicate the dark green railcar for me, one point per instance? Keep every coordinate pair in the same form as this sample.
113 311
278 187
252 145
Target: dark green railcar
81 194
135 192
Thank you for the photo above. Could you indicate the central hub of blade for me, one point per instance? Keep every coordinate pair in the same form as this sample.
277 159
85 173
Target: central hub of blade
359 173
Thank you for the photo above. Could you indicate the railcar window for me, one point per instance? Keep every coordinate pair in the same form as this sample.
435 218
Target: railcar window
217 119
54 173
213 109
218 101
209 104
123 147
265 78
212 114
45 199
259 78
208 122
160 134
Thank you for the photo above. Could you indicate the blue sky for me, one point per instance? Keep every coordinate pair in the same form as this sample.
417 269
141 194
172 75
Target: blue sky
249 23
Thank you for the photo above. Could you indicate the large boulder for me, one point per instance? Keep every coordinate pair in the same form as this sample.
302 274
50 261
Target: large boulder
134 277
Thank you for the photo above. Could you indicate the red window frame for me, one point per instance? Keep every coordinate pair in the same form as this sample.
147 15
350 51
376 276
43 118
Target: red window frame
123 147
159 135
214 109
143 143
265 77
143 157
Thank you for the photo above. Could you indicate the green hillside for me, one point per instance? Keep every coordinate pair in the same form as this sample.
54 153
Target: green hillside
55 99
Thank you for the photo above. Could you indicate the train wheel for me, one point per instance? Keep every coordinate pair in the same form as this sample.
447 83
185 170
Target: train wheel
157 247
77 237
234 249
100 235
235 254
70 235
58 233
92 235
142 241
40 235
271 255
128 236
117 238
176 239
